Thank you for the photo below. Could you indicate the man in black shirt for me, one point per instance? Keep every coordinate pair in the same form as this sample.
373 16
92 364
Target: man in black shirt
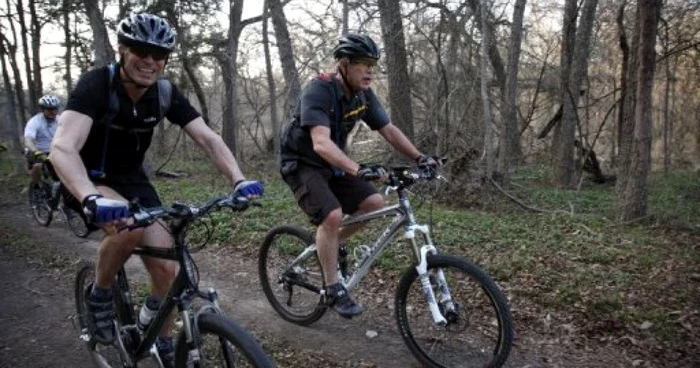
98 154
325 181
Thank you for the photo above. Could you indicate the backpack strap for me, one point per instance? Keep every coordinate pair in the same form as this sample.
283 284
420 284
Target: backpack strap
112 110
165 96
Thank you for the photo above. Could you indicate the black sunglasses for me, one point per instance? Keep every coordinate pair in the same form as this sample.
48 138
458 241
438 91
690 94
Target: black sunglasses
143 52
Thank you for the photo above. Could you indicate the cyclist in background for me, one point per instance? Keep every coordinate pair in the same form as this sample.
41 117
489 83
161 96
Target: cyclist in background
325 181
100 161
38 134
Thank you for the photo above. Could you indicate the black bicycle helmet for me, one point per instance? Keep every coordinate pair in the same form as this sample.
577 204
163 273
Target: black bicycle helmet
355 46
49 102
146 29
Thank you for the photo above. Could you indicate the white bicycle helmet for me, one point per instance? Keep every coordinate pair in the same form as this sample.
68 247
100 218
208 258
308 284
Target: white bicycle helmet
49 102
146 29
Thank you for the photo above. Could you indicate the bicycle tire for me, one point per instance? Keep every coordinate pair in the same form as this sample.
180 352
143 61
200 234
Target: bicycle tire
76 224
281 246
480 334
102 355
238 348
39 203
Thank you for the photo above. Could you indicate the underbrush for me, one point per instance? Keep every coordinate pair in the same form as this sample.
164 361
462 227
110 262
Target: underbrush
570 271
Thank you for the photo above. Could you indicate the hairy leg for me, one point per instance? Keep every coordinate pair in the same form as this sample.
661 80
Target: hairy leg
371 203
327 245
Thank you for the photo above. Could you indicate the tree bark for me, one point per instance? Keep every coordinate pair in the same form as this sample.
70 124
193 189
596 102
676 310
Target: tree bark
35 29
488 124
104 53
230 75
627 122
68 56
11 52
565 131
33 95
286 55
636 191
10 126
510 136
272 90
399 80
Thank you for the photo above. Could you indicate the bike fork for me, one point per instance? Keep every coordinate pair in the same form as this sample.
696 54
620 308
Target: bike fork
446 298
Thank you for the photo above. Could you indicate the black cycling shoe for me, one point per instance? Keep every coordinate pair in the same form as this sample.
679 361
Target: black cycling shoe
340 301
166 351
100 317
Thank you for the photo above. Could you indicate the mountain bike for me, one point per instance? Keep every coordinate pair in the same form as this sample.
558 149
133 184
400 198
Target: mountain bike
449 312
47 196
207 338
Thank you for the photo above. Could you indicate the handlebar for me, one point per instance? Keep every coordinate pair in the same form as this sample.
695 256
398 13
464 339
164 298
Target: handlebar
144 217
405 176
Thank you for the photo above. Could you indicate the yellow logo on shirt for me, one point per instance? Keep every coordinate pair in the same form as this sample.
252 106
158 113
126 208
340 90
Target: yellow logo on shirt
355 112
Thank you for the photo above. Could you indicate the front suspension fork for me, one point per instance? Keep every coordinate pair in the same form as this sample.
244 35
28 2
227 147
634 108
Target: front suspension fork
445 296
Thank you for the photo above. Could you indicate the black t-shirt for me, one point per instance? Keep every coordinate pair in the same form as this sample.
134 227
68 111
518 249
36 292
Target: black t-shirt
318 106
131 129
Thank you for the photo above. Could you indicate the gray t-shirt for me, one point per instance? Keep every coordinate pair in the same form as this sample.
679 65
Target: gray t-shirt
41 130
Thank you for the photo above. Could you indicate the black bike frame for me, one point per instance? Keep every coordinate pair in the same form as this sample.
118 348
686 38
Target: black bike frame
179 294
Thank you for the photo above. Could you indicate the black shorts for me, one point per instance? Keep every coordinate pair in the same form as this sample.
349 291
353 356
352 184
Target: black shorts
132 188
319 192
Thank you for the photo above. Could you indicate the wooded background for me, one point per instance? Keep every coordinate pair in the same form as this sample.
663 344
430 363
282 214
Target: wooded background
606 89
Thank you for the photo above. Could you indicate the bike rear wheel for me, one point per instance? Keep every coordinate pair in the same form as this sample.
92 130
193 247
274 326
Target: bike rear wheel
293 290
39 195
76 224
222 343
479 332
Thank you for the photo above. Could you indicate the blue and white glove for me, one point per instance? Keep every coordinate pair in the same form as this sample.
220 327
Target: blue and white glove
248 188
101 210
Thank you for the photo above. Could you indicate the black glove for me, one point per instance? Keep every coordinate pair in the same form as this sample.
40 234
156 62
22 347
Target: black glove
427 161
370 172
99 210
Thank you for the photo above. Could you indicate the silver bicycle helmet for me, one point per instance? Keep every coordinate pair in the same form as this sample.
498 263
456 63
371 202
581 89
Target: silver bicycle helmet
355 46
146 29
49 102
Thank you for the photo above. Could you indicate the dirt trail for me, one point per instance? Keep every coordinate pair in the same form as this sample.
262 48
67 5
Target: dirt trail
34 300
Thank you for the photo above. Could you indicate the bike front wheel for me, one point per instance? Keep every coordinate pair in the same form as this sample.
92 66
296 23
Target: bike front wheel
39 194
220 343
292 283
479 331
102 355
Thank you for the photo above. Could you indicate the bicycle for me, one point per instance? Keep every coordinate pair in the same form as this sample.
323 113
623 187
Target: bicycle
449 312
207 337
47 196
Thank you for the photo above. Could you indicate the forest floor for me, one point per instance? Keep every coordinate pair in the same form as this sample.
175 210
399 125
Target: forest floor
37 267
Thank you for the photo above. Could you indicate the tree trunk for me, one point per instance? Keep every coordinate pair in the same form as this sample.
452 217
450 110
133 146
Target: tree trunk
574 64
272 90
627 121
35 29
104 54
488 124
286 55
184 46
33 96
399 80
636 191
67 58
10 125
230 76
346 17
11 52
625 50
510 136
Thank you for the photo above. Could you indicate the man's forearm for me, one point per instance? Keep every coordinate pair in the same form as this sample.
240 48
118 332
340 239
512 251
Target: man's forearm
70 169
